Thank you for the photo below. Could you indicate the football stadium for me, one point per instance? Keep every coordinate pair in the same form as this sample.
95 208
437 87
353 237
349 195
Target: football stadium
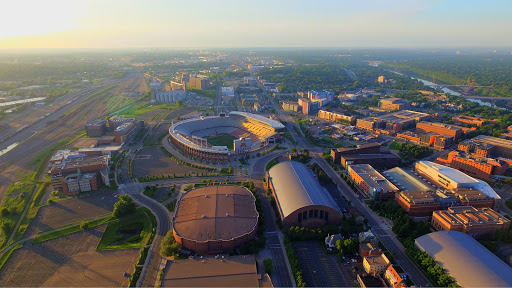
216 138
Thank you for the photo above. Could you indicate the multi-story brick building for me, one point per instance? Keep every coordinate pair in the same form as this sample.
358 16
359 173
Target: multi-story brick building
333 116
371 182
417 203
392 122
291 106
481 168
441 129
502 147
370 148
368 250
96 128
376 265
478 121
308 106
393 104
470 220
200 82
74 172
127 131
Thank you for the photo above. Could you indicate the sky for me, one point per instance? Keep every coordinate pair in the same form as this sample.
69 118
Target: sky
29 24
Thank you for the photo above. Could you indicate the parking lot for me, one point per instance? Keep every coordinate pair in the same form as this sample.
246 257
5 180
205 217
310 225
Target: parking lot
152 161
319 269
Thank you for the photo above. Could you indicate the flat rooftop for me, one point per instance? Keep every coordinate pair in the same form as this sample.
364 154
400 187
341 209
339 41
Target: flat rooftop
379 260
418 197
372 177
230 271
467 215
493 141
217 212
406 180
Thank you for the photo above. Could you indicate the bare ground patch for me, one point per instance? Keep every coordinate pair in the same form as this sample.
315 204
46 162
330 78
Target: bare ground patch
68 261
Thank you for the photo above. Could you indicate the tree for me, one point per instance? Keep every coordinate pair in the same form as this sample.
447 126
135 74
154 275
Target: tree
84 225
179 103
124 206
268 266
4 212
293 150
169 246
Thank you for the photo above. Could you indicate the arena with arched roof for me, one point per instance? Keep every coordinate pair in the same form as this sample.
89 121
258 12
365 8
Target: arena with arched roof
191 135
215 219
465 259
300 198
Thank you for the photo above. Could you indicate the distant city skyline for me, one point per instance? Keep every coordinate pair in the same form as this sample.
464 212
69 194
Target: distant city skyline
229 23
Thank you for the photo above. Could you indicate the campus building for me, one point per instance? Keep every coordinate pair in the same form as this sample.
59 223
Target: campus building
75 172
393 278
334 116
497 146
450 178
322 96
393 104
371 182
308 106
370 148
291 106
96 128
429 139
467 261
469 220
441 129
215 219
200 82
300 199
478 121
392 122
127 131
378 160
481 168
368 250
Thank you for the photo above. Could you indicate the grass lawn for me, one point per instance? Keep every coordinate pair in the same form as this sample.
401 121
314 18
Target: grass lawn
69 230
128 232
390 257
394 146
222 140
509 203
271 164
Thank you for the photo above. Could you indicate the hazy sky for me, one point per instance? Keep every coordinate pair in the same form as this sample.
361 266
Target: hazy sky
257 23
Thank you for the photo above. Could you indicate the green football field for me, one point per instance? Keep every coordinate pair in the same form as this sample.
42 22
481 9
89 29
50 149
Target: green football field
222 140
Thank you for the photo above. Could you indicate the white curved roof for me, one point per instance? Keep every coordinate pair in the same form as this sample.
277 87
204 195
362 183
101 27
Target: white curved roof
275 124
466 260
296 186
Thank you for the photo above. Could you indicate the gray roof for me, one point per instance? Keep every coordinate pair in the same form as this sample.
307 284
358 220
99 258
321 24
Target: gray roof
296 186
466 260
275 124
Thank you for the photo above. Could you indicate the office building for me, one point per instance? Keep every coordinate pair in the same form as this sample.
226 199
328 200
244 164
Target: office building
170 96
376 265
366 281
324 96
469 220
441 129
300 199
308 106
481 168
496 146
116 121
96 128
467 261
200 82
371 182
127 131
449 178
75 172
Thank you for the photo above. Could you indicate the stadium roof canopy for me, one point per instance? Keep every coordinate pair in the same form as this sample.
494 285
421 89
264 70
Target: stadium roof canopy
275 124
466 260
296 186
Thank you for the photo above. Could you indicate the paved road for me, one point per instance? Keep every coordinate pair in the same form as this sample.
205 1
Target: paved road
385 236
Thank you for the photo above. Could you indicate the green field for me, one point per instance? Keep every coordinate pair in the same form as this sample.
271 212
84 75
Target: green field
129 232
222 140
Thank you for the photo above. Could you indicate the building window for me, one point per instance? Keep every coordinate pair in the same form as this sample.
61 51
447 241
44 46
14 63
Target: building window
310 213
322 214
299 218
315 214
326 216
305 215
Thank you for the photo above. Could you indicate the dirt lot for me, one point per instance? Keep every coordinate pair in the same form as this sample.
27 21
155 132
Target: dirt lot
71 210
62 263
84 143
152 161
